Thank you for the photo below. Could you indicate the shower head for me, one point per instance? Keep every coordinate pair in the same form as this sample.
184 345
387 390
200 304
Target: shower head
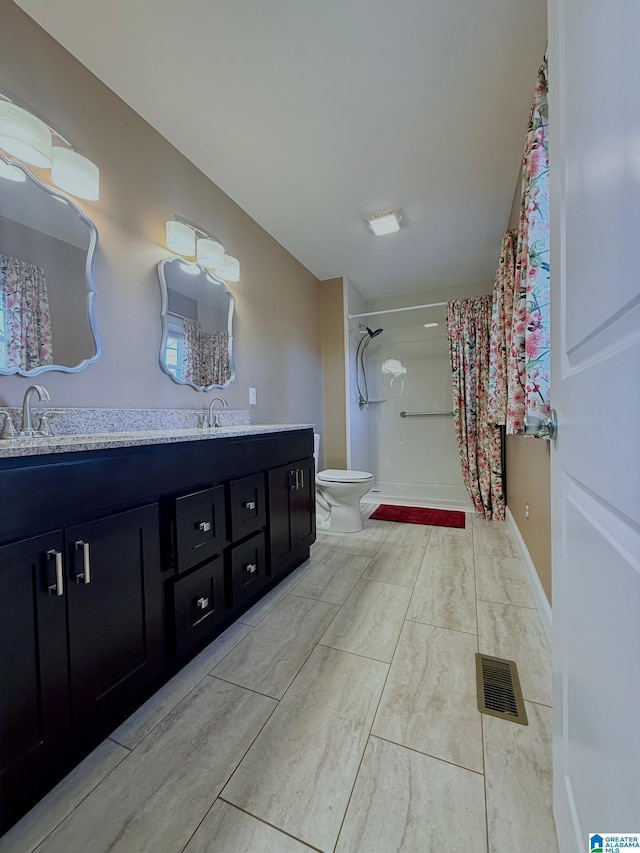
374 334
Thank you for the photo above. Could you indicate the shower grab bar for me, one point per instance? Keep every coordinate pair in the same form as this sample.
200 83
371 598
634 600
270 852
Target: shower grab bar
426 414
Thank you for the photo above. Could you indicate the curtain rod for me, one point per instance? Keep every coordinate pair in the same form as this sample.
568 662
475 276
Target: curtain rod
396 310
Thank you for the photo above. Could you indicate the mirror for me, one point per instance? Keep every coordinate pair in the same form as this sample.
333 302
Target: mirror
197 316
47 249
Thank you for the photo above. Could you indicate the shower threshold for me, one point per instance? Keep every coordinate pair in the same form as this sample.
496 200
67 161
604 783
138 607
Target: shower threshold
419 494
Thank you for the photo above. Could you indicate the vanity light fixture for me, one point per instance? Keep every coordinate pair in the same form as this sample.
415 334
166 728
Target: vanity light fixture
181 239
209 253
229 270
188 239
24 136
30 139
386 222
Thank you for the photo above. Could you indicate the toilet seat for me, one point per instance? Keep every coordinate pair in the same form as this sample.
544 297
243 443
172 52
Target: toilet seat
336 475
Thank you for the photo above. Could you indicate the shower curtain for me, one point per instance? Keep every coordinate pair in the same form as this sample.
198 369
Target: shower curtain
206 355
520 357
27 319
479 440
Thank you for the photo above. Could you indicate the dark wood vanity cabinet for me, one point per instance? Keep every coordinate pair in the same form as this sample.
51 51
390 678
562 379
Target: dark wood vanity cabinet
116 567
114 604
80 639
292 514
35 724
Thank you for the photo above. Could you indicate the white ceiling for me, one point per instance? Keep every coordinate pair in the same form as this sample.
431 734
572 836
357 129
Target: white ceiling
312 114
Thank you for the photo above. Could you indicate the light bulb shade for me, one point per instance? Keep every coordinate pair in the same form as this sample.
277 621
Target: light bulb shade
74 174
181 239
229 269
24 136
11 173
210 253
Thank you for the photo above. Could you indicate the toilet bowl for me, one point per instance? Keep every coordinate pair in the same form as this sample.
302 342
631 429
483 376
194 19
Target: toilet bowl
338 494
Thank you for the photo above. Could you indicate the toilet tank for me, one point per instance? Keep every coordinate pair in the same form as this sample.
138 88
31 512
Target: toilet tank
316 448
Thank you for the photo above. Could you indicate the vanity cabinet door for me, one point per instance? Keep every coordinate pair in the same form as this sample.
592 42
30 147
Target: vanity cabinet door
34 699
304 501
115 614
292 521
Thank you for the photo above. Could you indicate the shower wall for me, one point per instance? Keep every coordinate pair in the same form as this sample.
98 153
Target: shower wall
413 459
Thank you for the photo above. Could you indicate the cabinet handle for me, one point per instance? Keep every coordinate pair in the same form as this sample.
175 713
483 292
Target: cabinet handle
56 588
204 526
293 479
202 602
249 505
85 575
251 568
301 470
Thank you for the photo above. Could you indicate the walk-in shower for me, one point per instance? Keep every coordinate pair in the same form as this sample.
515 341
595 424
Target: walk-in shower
401 425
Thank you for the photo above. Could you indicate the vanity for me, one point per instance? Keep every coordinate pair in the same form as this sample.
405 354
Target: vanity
124 549
121 556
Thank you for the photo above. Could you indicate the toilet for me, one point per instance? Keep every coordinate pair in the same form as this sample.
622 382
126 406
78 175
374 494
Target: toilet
338 494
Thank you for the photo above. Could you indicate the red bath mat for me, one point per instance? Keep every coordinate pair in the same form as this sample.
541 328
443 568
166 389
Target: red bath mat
419 515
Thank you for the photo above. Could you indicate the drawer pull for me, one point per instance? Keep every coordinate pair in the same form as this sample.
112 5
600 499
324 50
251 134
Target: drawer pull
56 588
202 603
251 568
204 526
249 505
85 575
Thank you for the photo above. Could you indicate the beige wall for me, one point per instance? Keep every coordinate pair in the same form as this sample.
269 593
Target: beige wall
333 451
529 478
529 482
144 181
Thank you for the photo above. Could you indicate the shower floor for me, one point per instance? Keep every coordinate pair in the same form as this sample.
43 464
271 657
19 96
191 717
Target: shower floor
419 494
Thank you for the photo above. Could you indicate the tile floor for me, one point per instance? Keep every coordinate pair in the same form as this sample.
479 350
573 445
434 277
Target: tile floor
338 714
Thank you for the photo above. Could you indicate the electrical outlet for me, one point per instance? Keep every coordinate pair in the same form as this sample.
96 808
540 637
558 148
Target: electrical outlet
526 510
252 397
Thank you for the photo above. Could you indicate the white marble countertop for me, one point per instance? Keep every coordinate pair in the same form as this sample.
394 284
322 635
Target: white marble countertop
103 441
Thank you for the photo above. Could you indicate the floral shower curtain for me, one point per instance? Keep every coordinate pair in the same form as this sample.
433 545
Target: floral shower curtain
479 440
206 355
501 333
520 383
27 319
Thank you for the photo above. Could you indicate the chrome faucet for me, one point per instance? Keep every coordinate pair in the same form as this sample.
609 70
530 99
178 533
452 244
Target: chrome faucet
214 417
27 427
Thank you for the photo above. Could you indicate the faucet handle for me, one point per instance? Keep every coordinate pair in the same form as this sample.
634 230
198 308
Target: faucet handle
203 419
44 427
8 429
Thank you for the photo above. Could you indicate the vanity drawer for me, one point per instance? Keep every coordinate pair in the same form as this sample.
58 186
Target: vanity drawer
247 499
247 570
198 604
200 527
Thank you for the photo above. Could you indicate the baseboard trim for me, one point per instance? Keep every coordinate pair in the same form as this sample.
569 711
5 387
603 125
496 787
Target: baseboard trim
544 608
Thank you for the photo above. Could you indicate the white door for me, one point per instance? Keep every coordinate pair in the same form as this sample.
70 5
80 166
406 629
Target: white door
594 126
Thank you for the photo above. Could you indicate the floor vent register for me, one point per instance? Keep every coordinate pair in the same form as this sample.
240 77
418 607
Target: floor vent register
499 691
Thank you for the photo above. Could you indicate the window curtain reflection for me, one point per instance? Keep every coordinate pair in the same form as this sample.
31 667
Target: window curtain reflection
23 286
479 440
206 355
520 382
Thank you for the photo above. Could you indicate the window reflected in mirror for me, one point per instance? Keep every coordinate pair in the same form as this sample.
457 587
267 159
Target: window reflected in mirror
197 318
